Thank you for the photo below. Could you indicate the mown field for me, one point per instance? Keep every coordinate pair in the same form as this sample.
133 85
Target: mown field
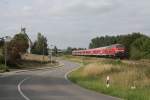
129 80
30 61
36 58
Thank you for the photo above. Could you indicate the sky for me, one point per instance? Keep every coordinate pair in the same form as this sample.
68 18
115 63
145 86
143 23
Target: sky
74 22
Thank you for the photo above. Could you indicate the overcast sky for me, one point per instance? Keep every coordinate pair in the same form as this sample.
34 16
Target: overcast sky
74 22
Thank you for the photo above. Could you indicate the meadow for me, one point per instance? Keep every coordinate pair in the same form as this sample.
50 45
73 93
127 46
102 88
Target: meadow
129 80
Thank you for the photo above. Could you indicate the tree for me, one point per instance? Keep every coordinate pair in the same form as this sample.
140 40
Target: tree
1 53
55 50
16 47
140 48
125 40
102 41
40 45
1 43
68 50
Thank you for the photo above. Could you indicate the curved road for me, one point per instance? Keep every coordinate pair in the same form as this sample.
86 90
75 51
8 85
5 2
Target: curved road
45 85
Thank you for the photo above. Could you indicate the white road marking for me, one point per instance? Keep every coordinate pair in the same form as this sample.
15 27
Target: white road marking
66 75
20 91
7 74
19 85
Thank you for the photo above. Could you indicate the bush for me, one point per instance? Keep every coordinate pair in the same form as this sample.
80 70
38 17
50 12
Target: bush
16 47
3 68
140 48
1 59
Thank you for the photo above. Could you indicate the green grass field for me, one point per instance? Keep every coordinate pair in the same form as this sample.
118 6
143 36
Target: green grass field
123 75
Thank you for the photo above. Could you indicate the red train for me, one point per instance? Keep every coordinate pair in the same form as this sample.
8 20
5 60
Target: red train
116 50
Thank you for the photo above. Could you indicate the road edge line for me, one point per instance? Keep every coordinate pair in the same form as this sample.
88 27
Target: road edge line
66 74
3 75
20 91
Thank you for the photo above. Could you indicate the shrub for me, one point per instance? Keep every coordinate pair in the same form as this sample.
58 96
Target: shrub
140 48
3 68
1 59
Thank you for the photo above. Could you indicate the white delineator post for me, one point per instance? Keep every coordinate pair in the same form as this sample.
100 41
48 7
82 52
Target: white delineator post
107 81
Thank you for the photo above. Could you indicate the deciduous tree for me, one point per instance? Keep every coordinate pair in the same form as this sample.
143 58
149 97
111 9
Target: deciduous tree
16 47
40 45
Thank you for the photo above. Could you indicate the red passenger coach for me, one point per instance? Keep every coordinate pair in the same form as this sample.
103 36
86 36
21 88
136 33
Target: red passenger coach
116 50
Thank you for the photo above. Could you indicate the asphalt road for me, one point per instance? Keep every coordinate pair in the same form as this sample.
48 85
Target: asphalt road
49 84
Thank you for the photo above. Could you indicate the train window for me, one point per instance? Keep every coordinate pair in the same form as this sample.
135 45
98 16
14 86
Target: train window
119 46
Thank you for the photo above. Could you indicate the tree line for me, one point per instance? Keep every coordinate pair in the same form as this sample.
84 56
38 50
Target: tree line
137 44
40 46
19 45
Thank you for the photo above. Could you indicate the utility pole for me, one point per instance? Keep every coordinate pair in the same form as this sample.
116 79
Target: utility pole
43 51
6 39
51 54
5 48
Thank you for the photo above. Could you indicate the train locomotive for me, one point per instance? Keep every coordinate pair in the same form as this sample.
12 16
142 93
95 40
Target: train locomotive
114 51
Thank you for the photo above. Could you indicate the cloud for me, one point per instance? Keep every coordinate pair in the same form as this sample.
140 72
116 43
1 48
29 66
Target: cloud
88 7
74 22
79 7
27 8
59 7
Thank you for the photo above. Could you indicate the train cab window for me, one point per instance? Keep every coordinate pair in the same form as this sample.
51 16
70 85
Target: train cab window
119 46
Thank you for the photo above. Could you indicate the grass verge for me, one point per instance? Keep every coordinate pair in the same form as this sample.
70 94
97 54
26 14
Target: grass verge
92 75
3 68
